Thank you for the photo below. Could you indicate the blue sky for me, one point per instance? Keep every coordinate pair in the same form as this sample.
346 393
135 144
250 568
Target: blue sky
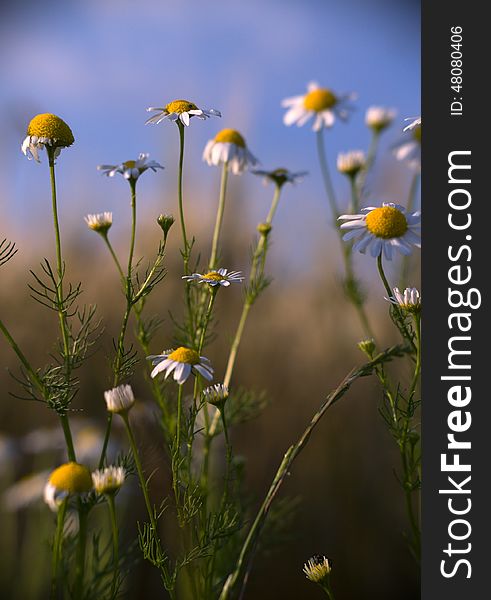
100 63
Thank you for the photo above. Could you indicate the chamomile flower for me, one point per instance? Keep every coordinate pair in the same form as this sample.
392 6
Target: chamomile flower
25 492
100 222
379 118
108 480
409 148
280 176
46 130
181 111
182 362
351 163
220 277
409 300
67 480
229 146
131 169
216 394
321 103
383 229
318 569
119 399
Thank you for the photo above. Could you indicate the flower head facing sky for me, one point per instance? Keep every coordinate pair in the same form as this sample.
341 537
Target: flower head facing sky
318 569
409 300
280 176
100 222
46 130
221 277
71 478
229 146
180 111
182 362
383 229
351 163
119 399
108 480
320 103
379 118
131 169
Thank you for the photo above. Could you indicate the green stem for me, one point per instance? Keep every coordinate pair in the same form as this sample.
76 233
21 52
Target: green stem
80 557
258 253
326 176
114 527
57 544
180 126
59 300
351 283
355 201
399 317
417 367
371 155
139 470
113 254
250 543
219 218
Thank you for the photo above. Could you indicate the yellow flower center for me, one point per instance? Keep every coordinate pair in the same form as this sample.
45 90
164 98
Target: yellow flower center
71 477
417 133
180 106
213 276
230 136
52 127
386 222
185 355
320 99
129 164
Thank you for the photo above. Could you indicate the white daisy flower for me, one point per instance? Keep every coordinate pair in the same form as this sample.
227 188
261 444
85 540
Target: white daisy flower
409 148
131 169
46 130
181 111
280 176
67 480
182 362
414 123
379 118
220 277
351 163
409 300
321 103
100 222
119 399
383 229
229 146
108 480
216 394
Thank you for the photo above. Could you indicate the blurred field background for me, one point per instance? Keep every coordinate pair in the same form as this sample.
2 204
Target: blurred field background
98 65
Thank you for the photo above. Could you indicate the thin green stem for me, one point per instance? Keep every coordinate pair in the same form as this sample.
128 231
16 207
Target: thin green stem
244 562
417 367
139 470
113 254
133 233
115 535
355 201
57 544
80 556
371 155
185 251
326 176
219 218
62 317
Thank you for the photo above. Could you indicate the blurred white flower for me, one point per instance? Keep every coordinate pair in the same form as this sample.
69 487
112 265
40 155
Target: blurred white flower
351 163
131 169
25 492
280 176
409 300
108 480
379 118
220 277
100 222
119 399
321 103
